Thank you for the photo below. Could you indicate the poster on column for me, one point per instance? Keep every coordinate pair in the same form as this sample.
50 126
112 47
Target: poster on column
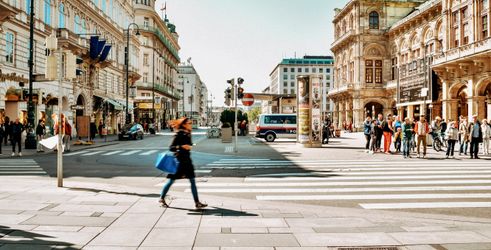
303 107
316 110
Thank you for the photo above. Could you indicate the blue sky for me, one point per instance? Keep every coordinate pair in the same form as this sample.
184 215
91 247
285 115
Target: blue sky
248 38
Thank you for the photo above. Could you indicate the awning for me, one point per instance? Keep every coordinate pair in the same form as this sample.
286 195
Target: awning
117 105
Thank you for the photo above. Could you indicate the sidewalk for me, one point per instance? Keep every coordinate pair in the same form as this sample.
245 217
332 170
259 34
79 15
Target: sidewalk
98 142
35 214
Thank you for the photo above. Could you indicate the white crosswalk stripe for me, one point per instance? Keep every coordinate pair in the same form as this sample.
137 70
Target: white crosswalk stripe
20 167
367 184
118 152
149 152
113 152
92 153
130 152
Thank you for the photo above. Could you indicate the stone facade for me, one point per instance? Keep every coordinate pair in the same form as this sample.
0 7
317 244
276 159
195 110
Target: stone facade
409 62
159 54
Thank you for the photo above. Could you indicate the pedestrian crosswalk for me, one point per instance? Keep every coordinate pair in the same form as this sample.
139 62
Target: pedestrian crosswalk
367 184
20 167
115 152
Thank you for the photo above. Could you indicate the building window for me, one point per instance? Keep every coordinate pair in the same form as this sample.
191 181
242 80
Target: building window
306 70
465 29
28 6
456 36
314 70
103 6
9 47
394 68
292 84
285 77
145 77
328 70
76 25
351 71
373 70
292 77
47 12
321 70
61 16
292 70
285 91
145 59
285 70
373 20
292 91
145 22
299 70
285 84
484 27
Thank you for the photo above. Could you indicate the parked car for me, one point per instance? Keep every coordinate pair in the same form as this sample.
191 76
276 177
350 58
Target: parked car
131 132
274 126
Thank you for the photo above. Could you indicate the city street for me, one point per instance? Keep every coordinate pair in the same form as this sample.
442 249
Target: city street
382 197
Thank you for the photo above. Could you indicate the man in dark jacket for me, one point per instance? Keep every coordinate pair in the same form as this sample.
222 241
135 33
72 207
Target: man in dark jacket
6 129
16 136
475 136
2 134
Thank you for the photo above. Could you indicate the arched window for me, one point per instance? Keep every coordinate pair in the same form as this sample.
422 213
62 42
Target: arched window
76 26
373 20
61 16
47 12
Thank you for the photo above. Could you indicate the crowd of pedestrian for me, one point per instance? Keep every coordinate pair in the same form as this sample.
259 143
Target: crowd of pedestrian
11 131
411 135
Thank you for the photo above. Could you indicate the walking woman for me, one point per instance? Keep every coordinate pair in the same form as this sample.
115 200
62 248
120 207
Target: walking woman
452 137
182 145
486 135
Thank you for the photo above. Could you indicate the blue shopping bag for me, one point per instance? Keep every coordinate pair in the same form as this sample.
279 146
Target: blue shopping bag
167 162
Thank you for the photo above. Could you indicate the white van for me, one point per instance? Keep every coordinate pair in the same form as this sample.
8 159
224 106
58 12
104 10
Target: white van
275 126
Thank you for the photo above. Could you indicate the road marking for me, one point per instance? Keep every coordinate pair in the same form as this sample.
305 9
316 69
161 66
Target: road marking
372 197
392 177
20 167
342 190
338 183
92 153
113 152
345 173
76 153
149 152
242 160
424 205
131 152
229 149
202 171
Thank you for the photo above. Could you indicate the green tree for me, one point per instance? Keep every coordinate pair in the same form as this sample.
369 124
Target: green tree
254 113
228 116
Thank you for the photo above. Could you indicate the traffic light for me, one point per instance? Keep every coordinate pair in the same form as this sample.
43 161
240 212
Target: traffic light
240 93
228 94
240 80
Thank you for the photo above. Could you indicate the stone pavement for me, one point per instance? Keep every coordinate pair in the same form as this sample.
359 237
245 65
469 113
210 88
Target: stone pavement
35 214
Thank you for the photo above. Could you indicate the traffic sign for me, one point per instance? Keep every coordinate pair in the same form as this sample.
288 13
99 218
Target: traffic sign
248 99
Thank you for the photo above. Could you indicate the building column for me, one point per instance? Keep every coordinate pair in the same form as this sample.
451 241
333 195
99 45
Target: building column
471 108
400 113
489 109
335 114
480 102
422 109
358 115
410 111
450 109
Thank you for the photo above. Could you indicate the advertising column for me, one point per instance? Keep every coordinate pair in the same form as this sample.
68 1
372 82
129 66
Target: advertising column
309 104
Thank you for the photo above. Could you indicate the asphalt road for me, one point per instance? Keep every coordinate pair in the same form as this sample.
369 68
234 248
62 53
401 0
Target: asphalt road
457 187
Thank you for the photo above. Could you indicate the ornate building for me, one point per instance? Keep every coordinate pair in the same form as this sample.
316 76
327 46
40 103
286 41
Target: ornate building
157 93
412 58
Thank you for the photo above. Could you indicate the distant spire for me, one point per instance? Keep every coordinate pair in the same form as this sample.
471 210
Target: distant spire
164 10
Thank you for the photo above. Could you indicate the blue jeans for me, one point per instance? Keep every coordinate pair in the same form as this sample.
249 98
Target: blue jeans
169 183
405 146
463 147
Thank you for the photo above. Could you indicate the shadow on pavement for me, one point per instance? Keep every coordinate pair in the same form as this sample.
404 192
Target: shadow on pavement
20 239
216 211
112 192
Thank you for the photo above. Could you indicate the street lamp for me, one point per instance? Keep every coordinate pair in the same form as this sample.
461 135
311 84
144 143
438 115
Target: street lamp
31 137
127 56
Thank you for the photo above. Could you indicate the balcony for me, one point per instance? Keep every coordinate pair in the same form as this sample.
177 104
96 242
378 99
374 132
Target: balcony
463 52
164 90
72 41
162 38
341 90
343 38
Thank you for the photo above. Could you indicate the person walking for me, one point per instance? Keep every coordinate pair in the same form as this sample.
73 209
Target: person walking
422 129
67 137
407 135
373 136
463 136
16 136
40 133
2 134
367 125
182 146
452 134
8 132
475 136
486 135
379 132
388 131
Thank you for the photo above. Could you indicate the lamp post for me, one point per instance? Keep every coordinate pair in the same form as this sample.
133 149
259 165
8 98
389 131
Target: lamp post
127 56
30 137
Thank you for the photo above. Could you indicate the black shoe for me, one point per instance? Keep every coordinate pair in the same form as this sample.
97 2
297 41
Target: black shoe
475 157
472 157
163 203
200 205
